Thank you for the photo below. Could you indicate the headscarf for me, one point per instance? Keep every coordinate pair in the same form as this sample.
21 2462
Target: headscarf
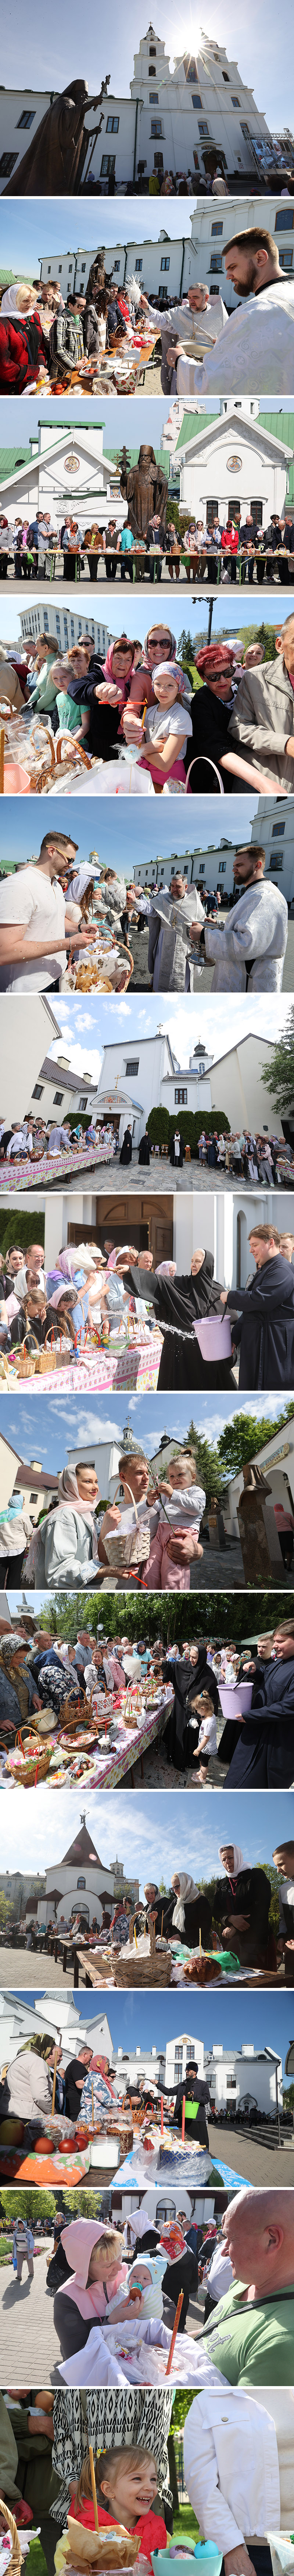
68 1492
13 1508
10 1644
238 1859
123 685
164 1269
11 301
139 2223
98 2067
213 656
172 2240
187 1892
78 2241
173 672
147 656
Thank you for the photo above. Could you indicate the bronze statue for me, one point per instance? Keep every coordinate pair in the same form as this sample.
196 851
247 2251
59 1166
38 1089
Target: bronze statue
54 162
145 489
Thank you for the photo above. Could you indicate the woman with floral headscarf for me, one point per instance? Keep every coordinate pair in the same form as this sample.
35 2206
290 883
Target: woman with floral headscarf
64 1551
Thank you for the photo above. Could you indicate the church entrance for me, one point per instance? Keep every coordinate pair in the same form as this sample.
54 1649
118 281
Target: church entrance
143 1221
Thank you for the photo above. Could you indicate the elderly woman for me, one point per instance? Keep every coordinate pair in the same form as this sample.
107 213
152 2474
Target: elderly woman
23 349
192 1912
14 1685
241 1909
64 1551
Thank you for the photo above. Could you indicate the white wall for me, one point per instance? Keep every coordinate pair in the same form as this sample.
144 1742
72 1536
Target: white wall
145 1087
273 824
207 474
25 1037
210 243
250 2075
65 622
187 2044
237 1087
198 1093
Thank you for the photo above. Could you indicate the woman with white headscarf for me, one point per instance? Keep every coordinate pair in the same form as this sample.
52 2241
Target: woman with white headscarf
192 1911
241 1910
64 1551
23 349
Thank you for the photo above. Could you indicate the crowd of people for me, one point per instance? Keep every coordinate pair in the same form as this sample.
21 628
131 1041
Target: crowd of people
32 1141
203 347
108 2307
227 723
60 919
93 1298
216 553
184 1684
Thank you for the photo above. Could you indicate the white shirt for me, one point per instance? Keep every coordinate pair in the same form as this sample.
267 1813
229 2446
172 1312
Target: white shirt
184 1505
208 1738
18 1141
31 897
238 2457
254 935
256 348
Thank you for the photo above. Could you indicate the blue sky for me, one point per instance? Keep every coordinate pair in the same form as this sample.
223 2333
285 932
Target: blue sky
25 424
185 1021
36 48
155 1836
156 837
36 1429
115 419
148 2020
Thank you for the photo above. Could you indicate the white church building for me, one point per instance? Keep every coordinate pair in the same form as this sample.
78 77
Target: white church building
81 1884
235 463
199 114
63 469
145 1074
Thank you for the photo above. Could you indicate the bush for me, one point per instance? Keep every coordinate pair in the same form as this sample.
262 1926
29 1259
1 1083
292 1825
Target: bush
20 1228
162 1126
159 1127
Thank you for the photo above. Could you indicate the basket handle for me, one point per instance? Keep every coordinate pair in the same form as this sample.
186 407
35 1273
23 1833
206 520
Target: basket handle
211 764
129 1491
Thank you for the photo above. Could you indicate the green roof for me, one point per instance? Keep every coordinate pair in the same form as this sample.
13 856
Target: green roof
194 422
281 425
10 458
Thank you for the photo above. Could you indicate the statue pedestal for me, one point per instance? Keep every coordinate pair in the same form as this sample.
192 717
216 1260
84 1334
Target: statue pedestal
216 1527
261 1552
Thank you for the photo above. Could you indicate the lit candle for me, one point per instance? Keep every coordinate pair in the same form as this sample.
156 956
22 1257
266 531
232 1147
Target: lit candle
183 2117
135 1937
174 2333
54 2080
93 2485
161 2107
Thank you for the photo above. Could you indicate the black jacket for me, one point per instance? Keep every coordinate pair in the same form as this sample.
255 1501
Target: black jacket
186 1678
251 1894
266 1326
210 726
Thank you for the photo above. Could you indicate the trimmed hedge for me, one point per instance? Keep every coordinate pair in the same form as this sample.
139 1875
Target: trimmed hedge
162 1126
20 1228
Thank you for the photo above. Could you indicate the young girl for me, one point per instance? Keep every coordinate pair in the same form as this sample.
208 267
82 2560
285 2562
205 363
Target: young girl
97 2273
126 2486
166 727
205 1742
171 1550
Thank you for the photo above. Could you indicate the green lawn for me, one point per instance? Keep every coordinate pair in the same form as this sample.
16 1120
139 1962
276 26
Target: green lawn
185 2525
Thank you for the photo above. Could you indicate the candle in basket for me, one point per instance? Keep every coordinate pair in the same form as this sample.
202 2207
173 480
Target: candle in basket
161 2111
174 2333
93 2485
54 2080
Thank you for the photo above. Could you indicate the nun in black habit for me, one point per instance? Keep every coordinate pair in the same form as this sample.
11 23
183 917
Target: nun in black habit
187 1678
126 1149
178 1304
265 1325
177 1150
144 1149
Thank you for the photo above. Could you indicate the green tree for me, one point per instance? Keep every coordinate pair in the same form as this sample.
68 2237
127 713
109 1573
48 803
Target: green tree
207 1462
16 1226
6 1909
241 1438
278 1075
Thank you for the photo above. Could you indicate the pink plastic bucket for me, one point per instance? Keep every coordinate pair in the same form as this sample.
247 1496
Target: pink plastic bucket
214 1337
235 1695
16 780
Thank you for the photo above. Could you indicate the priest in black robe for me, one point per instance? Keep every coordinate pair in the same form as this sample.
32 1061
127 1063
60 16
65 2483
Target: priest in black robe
144 1148
265 1310
264 1756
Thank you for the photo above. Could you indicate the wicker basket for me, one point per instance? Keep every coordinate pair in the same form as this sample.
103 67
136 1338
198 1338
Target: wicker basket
25 1363
15 2561
134 1549
70 1715
45 1359
148 1967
